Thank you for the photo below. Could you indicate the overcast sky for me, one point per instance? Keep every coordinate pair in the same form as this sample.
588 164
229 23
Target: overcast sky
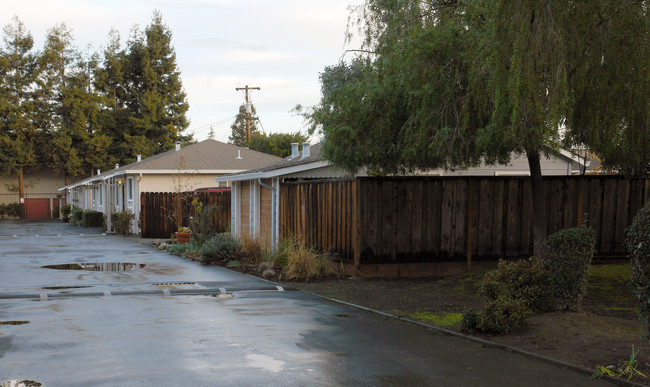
280 46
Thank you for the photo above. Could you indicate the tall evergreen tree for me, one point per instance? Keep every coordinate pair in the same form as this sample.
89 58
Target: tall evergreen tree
18 134
154 93
238 135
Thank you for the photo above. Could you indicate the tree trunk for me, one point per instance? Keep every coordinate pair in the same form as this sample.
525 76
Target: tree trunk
539 204
21 190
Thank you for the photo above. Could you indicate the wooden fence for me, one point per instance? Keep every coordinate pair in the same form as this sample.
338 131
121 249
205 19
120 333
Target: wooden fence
432 219
158 211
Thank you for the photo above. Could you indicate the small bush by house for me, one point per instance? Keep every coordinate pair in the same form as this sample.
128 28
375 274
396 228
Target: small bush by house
569 255
77 214
92 218
637 242
221 248
121 222
65 212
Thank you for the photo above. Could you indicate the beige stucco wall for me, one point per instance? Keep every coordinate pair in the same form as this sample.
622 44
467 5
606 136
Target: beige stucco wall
170 183
551 166
38 182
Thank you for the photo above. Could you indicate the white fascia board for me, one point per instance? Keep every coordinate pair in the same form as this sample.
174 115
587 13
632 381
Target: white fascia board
275 172
184 171
113 175
572 156
245 176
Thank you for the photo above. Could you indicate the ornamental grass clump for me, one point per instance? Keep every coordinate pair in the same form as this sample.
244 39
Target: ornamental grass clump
304 263
569 255
637 242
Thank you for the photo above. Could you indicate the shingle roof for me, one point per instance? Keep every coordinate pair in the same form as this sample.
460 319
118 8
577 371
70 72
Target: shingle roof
315 154
207 155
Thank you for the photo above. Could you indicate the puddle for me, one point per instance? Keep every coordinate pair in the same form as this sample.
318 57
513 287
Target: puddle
14 322
63 287
101 266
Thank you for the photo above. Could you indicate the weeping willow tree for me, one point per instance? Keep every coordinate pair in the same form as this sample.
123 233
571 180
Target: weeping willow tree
451 83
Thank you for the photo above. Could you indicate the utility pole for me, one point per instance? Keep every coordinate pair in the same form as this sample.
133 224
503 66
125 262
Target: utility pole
248 110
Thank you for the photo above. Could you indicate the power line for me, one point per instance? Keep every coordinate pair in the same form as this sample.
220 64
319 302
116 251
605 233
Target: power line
203 128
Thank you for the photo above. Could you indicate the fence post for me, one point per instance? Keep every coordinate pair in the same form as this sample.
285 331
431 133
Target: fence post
470 216
356 224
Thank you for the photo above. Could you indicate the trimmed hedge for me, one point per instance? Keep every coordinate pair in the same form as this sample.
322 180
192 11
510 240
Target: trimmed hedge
15 210
569 255
92 218
637 242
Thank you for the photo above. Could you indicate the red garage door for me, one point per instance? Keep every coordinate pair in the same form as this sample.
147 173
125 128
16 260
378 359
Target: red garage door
37 209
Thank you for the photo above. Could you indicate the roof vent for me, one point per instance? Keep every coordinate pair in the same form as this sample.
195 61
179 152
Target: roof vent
99 172
238 155
139 158
305 150
294 150
117 166
178 146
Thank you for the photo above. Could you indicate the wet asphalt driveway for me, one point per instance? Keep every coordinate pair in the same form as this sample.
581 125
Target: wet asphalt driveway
123 313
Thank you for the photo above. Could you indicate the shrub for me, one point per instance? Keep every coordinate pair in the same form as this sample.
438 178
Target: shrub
526 280
56 212
65 212
221 248
77 214
513 291
184 250
15 210
202 224
304 263
569 254
3 210
92 218
503 315
121 222
637 242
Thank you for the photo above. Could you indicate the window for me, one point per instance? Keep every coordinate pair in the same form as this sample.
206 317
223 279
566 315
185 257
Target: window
129 188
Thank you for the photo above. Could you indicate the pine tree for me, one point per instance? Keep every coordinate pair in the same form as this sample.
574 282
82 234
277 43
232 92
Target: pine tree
238 134
154 93
18 135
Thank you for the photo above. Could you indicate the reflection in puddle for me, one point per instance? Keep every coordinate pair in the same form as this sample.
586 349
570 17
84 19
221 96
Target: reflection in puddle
101 266
14 322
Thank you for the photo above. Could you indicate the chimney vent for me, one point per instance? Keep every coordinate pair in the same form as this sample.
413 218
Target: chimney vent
238 155
178 146
139 158
99 172
294 150
117 166
305 150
